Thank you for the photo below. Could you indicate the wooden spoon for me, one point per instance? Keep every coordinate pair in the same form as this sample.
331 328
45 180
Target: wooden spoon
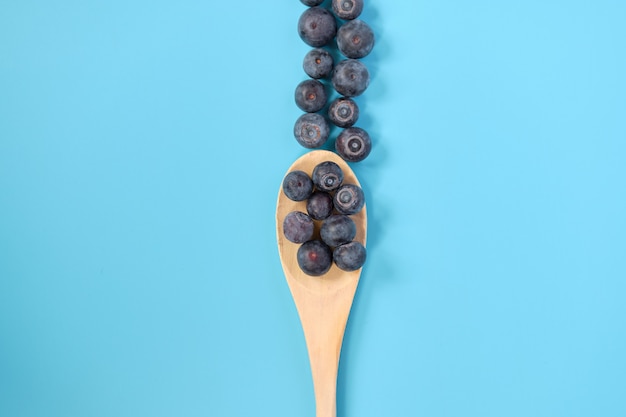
323 302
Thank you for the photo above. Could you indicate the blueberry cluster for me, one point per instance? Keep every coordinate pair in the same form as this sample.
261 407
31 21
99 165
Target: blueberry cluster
330 203
322 28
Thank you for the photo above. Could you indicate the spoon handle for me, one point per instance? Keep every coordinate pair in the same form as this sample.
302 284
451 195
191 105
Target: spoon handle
324 315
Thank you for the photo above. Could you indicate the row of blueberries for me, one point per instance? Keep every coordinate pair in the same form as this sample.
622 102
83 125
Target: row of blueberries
331 202
318 27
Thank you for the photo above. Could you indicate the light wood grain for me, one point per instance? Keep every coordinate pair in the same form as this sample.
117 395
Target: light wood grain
324 302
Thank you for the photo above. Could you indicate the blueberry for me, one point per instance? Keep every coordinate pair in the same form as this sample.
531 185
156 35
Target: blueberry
355 39
349 199
319 205
343 112
298 227
311 130
312 2
318 63
337 230
350 256
314 257
297 186
347 9
327 176
350 77
317 26
353 144
310 96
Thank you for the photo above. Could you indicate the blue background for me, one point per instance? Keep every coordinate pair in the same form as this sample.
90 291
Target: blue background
142 145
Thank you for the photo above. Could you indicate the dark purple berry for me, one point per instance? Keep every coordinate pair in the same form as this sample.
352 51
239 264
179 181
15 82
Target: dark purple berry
298 227
350 256
314 257
355 39
319 205
353 144
312 3
317 26
297 186
310 96
347 9
327 176
318 63
350 77
343 112
311 130
337 230
349 199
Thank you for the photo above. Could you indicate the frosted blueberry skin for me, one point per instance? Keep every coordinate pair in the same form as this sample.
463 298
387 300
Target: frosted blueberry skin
327 176
315 257
347 9
355 39
318 63
350 77
312 3
297 186
350 256
349 199
353 144
311 130
317 26
319 205
298 227
343 112
337 230
310 96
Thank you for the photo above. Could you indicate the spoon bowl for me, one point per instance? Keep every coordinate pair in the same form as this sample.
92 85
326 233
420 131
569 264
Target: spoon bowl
323 302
